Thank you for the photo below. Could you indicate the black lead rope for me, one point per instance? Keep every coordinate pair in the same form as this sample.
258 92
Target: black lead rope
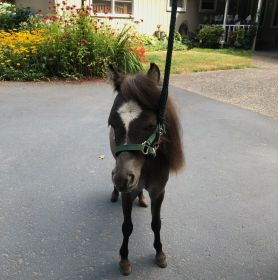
150 146
165 87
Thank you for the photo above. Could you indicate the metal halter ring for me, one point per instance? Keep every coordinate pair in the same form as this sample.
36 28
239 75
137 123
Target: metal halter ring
148 150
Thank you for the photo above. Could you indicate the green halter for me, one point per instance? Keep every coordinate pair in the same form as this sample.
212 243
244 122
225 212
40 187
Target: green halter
150 146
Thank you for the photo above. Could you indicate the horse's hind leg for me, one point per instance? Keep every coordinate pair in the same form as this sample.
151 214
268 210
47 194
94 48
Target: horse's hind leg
156 202
115 195
142 200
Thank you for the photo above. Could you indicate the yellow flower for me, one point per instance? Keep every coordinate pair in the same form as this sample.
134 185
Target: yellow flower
20 42
18 64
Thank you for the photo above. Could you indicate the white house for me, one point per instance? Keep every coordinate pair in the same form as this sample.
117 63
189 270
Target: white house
191 14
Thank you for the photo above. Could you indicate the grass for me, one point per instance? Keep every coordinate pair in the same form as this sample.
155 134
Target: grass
198 60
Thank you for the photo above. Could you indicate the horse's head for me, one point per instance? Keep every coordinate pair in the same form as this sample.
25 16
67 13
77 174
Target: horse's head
132 119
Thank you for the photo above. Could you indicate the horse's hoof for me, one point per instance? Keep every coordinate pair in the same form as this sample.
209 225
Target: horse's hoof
114 196
125 267
143 202
160 260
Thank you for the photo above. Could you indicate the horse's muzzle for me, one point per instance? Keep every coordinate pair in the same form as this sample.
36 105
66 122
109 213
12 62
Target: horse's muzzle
124 182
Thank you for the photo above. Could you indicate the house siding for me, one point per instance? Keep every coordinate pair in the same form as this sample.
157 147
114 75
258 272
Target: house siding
35 5
43 5
152 12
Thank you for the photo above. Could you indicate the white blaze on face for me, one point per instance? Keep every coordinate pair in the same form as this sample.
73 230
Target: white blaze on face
128 112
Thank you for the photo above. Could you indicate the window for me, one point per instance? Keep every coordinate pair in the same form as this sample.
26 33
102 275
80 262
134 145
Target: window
115 7
181 5
275 16
207 6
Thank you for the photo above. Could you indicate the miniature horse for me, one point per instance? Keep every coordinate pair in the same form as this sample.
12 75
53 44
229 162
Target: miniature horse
132 119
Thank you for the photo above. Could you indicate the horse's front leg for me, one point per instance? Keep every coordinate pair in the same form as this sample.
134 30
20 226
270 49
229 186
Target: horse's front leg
114 195
127 227
156 201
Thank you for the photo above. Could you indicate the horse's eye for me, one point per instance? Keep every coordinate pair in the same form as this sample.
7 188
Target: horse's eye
150 128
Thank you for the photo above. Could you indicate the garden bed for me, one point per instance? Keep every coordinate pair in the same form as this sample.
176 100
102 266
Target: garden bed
73 45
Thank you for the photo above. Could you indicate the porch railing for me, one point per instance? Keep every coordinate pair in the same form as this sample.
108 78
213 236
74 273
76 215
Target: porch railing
229 30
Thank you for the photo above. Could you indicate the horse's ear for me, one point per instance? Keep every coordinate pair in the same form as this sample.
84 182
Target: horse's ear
154 73
114 76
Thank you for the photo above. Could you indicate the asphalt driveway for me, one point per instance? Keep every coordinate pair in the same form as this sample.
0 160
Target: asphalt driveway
220 215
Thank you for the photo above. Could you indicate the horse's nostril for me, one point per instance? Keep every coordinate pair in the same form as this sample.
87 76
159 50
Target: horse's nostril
130 178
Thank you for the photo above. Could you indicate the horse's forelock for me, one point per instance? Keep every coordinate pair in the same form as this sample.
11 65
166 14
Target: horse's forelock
142 89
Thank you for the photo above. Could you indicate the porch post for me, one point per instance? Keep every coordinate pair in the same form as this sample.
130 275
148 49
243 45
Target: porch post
223 41
260 2
225 14
259 8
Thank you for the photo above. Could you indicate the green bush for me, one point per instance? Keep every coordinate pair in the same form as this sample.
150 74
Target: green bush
177 37
11 17
81 50
243 38
152 43
191 41
209 36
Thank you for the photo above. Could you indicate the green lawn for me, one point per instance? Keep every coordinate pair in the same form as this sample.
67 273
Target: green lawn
197 60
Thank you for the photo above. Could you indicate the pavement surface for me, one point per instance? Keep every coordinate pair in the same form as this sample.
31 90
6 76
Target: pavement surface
255 88
219 218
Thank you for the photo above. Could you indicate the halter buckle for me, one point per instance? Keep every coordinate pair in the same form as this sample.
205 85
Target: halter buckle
147 149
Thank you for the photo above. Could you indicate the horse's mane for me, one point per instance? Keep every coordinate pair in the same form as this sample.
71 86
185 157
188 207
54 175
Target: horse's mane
146 92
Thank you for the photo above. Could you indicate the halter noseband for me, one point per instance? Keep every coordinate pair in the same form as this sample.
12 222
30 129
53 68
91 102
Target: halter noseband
148 147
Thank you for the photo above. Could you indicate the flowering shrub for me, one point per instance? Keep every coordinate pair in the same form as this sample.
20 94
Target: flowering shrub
21 42
18 54
71 45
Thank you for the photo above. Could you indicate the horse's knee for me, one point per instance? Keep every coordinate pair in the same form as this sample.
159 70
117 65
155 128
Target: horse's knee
127 228
156 225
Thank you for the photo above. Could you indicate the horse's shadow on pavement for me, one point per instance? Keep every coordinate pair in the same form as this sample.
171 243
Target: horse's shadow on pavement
101 230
